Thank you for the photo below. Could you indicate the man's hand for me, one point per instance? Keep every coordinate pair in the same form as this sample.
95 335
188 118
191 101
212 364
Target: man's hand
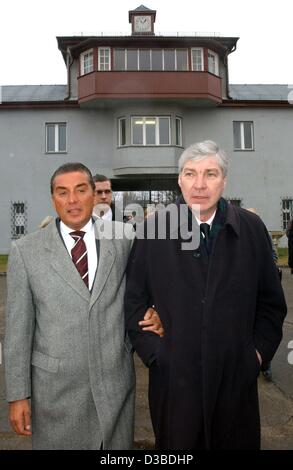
152 322
258 356
20 417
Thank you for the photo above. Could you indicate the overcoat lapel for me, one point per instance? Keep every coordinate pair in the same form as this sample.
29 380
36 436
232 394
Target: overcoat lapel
105 262
61 262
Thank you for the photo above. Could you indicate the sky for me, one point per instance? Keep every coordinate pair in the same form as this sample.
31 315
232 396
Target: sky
28 30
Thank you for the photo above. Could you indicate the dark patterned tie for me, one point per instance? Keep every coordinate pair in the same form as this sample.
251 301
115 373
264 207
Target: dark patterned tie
79 255
205 230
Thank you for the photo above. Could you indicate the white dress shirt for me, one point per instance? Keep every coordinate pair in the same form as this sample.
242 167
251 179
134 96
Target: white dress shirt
209 221
90 243
107 215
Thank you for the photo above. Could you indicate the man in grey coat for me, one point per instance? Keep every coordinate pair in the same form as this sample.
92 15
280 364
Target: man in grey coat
69 368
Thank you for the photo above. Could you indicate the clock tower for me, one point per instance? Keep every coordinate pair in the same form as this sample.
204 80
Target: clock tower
142 20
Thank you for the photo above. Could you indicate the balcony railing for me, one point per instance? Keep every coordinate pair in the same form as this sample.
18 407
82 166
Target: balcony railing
157 33
149 85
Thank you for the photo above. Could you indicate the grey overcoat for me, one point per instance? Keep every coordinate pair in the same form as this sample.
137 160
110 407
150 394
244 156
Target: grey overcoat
66 347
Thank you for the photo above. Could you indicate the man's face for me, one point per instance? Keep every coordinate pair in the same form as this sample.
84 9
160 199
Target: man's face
73 199
202 182
103 193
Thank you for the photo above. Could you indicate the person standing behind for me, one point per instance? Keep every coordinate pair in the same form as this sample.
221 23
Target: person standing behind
104 208
222 307
65 342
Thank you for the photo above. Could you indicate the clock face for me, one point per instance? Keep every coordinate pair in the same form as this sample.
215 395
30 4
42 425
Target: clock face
142 24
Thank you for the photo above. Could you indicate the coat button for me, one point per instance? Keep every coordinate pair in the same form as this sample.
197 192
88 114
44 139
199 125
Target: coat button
196 254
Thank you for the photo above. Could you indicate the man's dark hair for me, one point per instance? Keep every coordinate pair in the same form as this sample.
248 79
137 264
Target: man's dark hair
71 168
101 178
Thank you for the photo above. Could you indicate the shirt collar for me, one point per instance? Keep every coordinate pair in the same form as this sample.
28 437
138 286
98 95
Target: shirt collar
108 215
65 230
209 221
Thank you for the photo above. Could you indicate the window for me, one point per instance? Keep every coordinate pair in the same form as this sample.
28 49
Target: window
178 130
144 59
197 59
181 59
175 59
234 201
150 130
169 59
86 62
213 62
121 132
104 58
56 137
18 219
287 212
131 59
157 59
150 59
137 131
164 130
243 135
119 59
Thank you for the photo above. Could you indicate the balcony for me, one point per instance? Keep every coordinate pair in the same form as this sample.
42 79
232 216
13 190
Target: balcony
194 88
146 160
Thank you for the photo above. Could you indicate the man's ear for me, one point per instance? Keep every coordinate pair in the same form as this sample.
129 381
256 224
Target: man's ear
179 180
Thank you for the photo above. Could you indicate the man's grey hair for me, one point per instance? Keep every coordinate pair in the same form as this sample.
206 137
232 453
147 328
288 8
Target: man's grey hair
202 150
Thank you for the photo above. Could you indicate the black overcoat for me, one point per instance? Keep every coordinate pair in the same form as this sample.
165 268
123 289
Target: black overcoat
203 373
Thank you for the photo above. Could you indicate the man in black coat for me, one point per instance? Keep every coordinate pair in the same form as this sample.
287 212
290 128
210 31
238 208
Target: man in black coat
222 307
